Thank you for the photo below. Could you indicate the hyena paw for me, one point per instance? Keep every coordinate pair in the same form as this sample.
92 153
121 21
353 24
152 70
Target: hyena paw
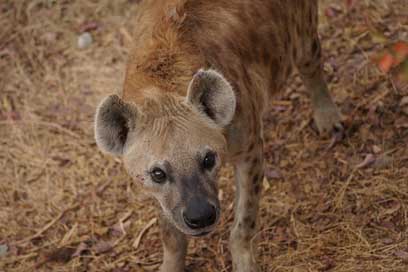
244 262
328 120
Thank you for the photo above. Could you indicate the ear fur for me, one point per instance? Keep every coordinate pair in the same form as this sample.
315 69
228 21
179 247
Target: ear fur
113 120
211 93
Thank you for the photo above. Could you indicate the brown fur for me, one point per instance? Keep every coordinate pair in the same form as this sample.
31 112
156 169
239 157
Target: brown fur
255 45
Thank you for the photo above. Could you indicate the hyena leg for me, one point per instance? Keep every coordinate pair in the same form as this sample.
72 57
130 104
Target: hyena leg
248 175
174 247
325 112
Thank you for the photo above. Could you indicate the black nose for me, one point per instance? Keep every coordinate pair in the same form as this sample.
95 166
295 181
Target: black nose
199 214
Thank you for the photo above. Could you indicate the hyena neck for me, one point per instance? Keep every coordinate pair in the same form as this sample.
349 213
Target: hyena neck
162 61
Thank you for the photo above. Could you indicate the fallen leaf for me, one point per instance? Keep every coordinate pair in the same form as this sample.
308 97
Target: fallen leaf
330 12
385 63
328 262
402 255
102 246
100 231
393 207
61 255
80 249
88 26
388 241
401 51
272 173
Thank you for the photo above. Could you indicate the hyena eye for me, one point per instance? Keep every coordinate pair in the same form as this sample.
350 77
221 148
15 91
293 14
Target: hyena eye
158 175
209 161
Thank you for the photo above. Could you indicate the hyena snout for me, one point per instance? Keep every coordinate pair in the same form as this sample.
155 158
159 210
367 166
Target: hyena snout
200 213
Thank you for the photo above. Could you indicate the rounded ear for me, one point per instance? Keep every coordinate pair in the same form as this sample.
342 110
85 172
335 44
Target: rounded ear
211 93
113 120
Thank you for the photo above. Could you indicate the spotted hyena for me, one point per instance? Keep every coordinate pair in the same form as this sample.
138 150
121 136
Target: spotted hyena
199 78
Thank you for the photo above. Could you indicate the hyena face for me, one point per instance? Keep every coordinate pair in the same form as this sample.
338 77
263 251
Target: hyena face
173 146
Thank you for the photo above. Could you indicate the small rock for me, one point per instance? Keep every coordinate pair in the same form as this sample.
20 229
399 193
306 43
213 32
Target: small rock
84 40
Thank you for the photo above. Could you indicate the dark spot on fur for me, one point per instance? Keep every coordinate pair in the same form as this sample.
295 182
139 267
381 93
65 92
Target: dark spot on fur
315 46
253 36
288 37
250 222
257 188
294 53
255 179
266 56
251 147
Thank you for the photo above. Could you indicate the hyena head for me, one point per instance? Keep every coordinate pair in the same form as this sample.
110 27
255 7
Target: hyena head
174 146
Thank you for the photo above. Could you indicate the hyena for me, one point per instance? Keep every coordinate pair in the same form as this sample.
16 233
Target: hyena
198 81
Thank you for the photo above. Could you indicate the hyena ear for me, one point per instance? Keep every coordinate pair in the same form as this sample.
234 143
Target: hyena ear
113 120
211 93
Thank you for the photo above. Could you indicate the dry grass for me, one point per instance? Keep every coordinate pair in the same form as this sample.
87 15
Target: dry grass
319 212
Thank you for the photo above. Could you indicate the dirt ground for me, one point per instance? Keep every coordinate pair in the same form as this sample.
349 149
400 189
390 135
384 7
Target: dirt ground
65 206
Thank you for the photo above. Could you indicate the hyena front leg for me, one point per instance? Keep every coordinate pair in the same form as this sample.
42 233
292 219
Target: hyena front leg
249 174
325 112
174 247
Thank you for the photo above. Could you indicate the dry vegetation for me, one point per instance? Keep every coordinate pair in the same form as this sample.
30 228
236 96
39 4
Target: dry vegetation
64 206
